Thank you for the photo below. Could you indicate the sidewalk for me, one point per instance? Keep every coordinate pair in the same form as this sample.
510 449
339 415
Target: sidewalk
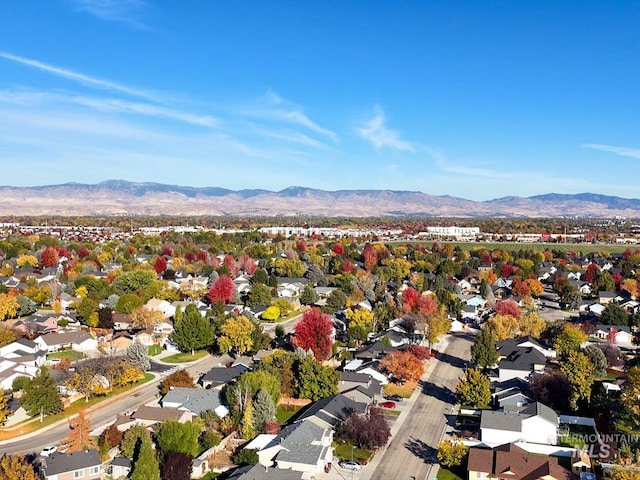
371 467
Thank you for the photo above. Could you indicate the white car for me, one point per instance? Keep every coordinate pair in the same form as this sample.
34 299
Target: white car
350 465
46 451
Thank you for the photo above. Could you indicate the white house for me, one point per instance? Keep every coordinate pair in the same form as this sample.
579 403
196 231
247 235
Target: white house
162 306
534 423
79 341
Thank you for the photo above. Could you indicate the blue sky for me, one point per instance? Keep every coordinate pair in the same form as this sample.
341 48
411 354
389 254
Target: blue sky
477 99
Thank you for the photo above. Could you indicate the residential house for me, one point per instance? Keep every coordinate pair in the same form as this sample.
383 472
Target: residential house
121 467
620 333
505 347
78 340
85 465
195 400
509 461
513 396
150 416
605 297
360 387
167 309
520 362
535 423
218 377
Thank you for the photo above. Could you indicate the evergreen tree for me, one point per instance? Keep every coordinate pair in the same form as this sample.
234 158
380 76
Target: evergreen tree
40 395
193 332
483 350
260 295
138 356
473 389
145 463
264 410
308 295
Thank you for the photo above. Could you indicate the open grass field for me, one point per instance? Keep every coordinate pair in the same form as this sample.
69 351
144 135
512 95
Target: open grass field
583 248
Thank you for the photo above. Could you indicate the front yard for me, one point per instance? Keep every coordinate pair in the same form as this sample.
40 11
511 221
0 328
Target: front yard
404 390
70 355
185 357
343 451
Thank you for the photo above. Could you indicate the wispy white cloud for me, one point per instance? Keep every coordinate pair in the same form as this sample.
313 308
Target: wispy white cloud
80 77
273 107
622 151
380 135
124 11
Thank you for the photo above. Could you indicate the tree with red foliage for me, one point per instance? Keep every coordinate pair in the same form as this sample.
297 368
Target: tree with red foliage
347 265
49 257
232 265
508 307
418 351
338 249
369 257
617 279
83 252
302 246
507 270
403 365
112 437
249 265
366 430
190 257
203 256
410 299
314 332
177 466
64 252
427 305
611 336
167 250
591 272
160 265
223 289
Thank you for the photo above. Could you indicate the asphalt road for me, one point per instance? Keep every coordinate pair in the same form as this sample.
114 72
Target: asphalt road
103 413
413 450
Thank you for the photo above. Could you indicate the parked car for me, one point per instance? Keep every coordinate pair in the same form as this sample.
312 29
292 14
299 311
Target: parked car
394 398
388 404
350 465
46 451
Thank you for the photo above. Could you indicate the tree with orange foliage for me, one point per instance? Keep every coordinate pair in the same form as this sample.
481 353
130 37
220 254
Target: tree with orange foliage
403 365
369 257
49 257
79 437
535 287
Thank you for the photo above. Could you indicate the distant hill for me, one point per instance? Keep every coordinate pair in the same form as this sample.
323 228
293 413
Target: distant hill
119 197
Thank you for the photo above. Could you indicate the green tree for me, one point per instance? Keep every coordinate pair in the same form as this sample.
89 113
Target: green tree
473 389
40 395
308 295
483 350
629 398
614 314
138 356
580 372
249 384
141 282
260 276
264 410
193 331
336 300
247 424
87 307
235 335
145 463
597 358
315 381
246 456
131 439
569 339
451 453
260 295
173 436
288 267
128 302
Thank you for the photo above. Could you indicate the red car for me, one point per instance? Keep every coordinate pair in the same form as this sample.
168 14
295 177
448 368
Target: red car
388 404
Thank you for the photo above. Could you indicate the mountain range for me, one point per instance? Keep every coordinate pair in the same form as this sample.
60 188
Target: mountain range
120 197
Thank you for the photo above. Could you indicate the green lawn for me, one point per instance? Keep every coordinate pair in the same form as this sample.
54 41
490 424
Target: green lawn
283 413
445 474
342 450
71 355
154 350
584 248
185 357
210 476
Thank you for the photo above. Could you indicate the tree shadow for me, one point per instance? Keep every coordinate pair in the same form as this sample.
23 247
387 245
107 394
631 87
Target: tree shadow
421 450
443 394
451 360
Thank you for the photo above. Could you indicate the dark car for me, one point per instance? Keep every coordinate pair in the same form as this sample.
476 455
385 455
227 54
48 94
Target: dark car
394 398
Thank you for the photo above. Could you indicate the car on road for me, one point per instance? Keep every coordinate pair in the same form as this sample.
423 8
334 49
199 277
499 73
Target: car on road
350 465
394 398
388 404
46 451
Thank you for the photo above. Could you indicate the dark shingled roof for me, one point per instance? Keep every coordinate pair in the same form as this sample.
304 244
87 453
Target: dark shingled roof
59 463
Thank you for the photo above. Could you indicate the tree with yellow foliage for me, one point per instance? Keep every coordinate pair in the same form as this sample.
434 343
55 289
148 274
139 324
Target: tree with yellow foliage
27 261
9 306
532 324
503 327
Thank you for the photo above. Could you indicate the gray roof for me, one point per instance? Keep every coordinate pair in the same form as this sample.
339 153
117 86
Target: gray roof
523 359
196 400
121 462
332 410
260 472
59 462
221 375
301 443
78 336
510 418
157 414
355 377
